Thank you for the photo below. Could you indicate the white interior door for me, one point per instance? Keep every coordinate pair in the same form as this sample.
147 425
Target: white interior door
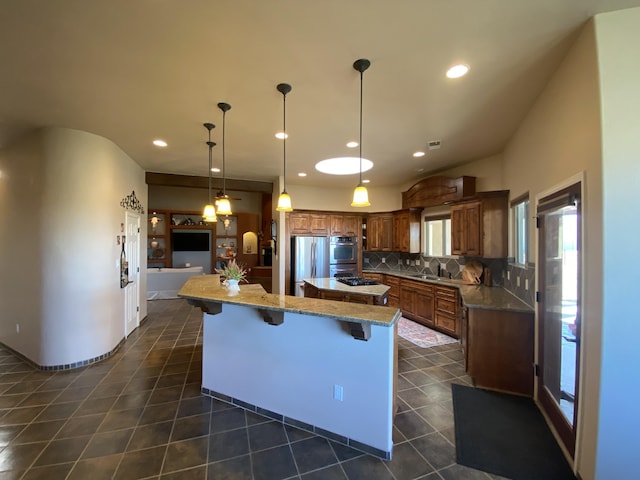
132 290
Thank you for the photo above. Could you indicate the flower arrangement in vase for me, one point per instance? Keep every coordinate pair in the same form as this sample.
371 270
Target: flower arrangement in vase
233 274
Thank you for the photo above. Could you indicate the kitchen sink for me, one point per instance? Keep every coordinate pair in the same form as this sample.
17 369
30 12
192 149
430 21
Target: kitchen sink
427 276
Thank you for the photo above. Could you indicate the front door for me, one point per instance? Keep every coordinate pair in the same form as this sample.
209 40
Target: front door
559 312
132 290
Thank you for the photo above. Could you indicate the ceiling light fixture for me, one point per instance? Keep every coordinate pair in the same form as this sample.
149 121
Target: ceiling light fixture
223 203
457 71
284 201
418 154
209 213
360 194
159 143
302 174
352 144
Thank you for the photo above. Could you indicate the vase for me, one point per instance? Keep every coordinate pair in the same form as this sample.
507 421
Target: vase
232 286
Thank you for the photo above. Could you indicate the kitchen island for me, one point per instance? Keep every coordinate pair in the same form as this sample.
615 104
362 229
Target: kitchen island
332 289
324 366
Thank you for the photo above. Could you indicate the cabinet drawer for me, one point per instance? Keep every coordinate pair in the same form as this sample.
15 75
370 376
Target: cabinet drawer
446 305
445 292
446 323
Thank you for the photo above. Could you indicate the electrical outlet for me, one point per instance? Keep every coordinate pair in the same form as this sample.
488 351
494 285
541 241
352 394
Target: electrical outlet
384 260
517 281
406 261
338 392
508 275
526 284
417 263
17 328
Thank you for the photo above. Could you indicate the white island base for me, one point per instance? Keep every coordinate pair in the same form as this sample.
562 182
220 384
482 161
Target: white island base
308 371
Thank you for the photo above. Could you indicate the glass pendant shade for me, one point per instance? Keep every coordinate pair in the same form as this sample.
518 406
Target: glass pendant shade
360 197
224 206
284 202
209 214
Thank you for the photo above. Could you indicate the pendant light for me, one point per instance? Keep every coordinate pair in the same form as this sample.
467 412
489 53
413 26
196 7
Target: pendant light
360 194
209 214
224 206
284 201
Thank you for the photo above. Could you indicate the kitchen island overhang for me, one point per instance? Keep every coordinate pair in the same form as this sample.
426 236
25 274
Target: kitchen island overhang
297 360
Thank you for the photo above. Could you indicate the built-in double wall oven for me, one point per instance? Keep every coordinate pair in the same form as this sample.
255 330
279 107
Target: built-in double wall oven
343 256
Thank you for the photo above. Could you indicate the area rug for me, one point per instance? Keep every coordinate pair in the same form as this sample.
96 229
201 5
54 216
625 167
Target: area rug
420 335
505 435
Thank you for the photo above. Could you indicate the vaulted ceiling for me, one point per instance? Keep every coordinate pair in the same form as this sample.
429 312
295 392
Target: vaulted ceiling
134 71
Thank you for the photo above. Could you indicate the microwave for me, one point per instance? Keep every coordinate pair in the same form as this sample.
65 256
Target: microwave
343 250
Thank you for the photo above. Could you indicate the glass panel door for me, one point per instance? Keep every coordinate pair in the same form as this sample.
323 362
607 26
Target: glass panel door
559 312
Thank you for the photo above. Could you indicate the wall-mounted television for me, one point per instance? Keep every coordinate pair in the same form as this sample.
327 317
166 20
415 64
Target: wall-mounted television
185 241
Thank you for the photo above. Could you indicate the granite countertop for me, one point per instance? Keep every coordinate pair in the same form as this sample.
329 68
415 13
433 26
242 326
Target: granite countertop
473 296
207 288
334 285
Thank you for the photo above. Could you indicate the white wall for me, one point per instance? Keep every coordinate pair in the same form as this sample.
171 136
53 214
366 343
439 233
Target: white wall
21 245
559 138
72 271
292 368
382 199
618 422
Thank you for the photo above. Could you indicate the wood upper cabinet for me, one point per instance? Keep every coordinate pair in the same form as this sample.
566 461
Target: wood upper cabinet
380 232
466 229
479 228
406 231
345 225
308 224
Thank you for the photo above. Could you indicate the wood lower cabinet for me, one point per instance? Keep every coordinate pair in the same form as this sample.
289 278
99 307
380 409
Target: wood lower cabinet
447 310
417 301
312 291
498 349
394 290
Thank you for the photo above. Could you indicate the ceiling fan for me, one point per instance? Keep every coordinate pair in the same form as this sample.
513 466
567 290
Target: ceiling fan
220 194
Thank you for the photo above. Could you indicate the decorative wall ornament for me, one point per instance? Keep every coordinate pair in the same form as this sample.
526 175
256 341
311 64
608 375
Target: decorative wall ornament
130 202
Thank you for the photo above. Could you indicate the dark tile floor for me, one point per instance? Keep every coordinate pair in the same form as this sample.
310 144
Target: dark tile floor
140 414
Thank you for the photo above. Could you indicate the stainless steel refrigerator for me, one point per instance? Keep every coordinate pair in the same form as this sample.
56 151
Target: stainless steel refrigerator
309 259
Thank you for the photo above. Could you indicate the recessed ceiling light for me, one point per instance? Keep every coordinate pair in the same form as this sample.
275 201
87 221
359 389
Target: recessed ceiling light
159 143
366 181
215 169
352 144
302 174
282 135
418 154
457 71
343 165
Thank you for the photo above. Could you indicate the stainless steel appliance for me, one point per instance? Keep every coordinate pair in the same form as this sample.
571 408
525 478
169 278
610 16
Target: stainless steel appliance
309 259
343 270
343 250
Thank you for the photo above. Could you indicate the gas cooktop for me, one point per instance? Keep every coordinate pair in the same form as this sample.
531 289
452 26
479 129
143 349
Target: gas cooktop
356 281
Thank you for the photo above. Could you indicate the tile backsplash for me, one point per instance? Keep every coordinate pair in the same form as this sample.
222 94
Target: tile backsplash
416 263
517 279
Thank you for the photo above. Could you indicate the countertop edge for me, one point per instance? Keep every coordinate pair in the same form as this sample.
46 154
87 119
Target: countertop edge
470 293
259 299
